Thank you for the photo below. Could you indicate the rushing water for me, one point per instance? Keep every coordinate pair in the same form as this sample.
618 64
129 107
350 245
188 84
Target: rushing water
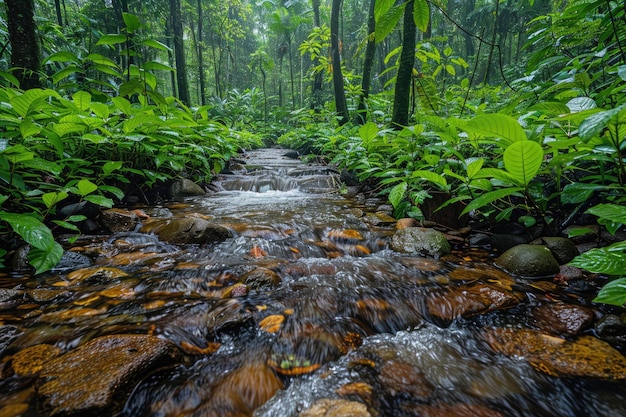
304 308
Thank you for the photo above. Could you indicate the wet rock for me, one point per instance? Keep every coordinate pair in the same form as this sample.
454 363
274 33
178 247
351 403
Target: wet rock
84 208
185 188
8 334
292 154
479 240
532 261
467 301
191 230
503 242
585 356
72 260
422 241
261 278
119 220
563 249
92 376
454 410
29 361
379 219
99 274
582 234
327 407
19 260
406 222
562 319
612 328
235 168
402 379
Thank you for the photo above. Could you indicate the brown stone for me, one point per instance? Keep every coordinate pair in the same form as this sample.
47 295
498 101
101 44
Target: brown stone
327 407
562 319
406 222
585 356
261 278
188 230
29 361
91 377
119 220
400 378
466 301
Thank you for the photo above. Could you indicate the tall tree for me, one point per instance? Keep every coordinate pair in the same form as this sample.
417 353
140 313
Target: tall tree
317 101
341 105
25 55
200 48
402 93
179 51
368 64
57 8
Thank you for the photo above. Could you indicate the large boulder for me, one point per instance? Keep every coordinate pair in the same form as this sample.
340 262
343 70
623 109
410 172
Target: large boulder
185 188
533 261
420 241
93 376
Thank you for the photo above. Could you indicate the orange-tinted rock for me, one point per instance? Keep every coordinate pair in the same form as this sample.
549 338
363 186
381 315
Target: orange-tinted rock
327 407
29 361
273 323
102 273
191 230
261 278
585 356
400 378
562 319
90 377
357 389
119 220
345 235
406 222
465 301
454 410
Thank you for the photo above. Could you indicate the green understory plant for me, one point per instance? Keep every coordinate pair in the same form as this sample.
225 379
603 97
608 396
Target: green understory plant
608 260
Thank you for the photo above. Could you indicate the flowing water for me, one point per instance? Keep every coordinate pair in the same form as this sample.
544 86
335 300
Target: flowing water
303 311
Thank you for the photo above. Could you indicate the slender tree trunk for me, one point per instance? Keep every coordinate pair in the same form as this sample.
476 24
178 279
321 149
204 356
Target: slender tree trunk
200 54
368 64
25 58
293 93
400 116
57 8
492 47
340 94
170 56
317 99
179 52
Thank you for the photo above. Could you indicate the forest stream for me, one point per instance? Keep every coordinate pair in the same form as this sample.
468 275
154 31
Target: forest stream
293 303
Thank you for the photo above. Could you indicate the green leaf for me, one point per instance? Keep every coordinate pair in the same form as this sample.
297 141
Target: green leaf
86 187
594 124
579 104
122 105
578 192
499 125
119 194
45 259
50 199
62 56
113 39
101 60
397 193
490 197
100 200
66 225
131 21
100 109
613 293
111 166
28 128
621 72
381 7
156 66
82 99
421 14
608 260
433 177
388 22
522 160
156 44
368 132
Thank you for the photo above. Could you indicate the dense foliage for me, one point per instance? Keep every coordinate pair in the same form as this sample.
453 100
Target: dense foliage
516 109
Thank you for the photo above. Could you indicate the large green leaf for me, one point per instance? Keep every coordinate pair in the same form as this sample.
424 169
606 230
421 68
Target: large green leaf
613 212
577 192
522 160
397 193
594 124
613 293
499 125
433 177
111 39
608 260
132 22
421 14
381 7
490 197
45 259
388 22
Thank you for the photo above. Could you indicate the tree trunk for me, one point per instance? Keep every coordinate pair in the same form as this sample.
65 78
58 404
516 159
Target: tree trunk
293 93
368 64
57 8
170 56
25 58
340 94
402 91
179 52
200 54
317 99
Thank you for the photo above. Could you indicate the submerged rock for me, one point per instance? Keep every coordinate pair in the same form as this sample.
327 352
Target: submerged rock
528 261
29 361
91 377
562 319
563 249
185 188
189 230
420 240
119 220
585 356
328 407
